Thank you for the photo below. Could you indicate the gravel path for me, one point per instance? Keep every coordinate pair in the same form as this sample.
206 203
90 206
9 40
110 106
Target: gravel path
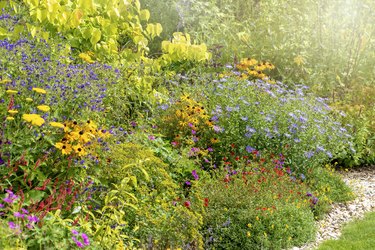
362 182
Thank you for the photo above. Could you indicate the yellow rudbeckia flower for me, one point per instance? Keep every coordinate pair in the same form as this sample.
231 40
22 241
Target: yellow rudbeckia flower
65 148
56 124
80 151
9 118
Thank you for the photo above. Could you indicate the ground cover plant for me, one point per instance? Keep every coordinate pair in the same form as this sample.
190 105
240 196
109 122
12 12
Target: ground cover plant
108 143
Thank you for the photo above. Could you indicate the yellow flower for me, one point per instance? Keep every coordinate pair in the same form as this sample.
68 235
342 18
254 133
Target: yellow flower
39 90
10 91
65 148
29 99
86 57
5 81
79 150
9 118
12 111
299 60
249 225
56 124
84 137
43 108
33 118
248 234
73 136
214 140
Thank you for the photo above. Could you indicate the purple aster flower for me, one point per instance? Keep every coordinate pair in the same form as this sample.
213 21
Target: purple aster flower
1 205
33 218
188 183
249 149
217 129
193 131
309 154
86 240
18 215
78 243
195 175
12 225
315 200
151 137
309 194
75 232
11 197
24 211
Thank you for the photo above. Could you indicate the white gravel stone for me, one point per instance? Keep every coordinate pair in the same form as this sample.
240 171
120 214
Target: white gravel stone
362 182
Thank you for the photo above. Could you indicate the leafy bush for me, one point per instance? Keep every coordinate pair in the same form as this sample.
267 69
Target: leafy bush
260 205
160 216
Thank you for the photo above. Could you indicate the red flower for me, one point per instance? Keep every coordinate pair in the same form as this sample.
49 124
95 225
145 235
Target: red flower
205 200
187 204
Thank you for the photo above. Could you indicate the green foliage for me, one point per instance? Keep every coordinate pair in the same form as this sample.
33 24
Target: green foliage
329 187
181 54
257 207
107 29
155 218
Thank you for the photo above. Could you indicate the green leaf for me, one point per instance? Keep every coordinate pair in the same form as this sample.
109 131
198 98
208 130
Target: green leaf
3 33
144 15
35 195
95 37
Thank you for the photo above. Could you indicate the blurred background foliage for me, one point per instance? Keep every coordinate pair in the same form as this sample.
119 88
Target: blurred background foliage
326 45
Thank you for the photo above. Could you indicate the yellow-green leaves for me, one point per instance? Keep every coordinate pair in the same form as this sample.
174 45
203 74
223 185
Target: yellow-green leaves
144 15
154 30
96 35
181 49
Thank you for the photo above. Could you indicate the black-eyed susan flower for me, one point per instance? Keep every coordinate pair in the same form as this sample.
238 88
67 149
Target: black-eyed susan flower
79 150
34 119
43 108
73 136
39 90
214 140
57 124
64 147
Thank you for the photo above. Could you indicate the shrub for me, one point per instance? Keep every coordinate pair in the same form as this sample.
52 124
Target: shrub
258 206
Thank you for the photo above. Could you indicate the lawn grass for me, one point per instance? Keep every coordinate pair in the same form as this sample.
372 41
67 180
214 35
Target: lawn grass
357 235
